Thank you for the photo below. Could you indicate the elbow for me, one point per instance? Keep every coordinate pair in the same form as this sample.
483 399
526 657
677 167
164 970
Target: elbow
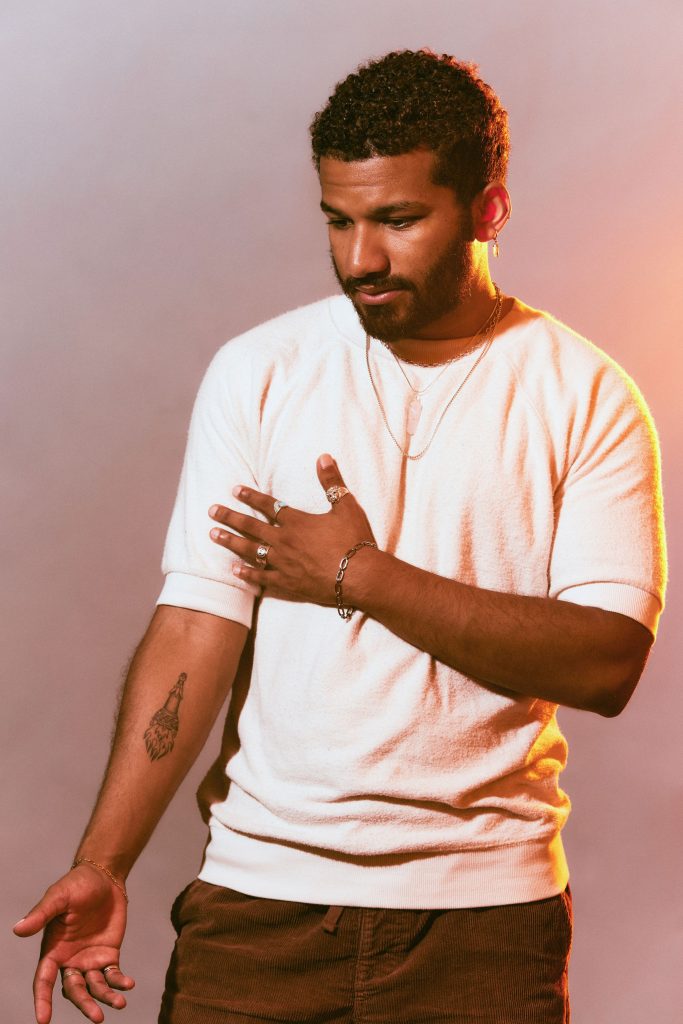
620 666
612 705
613 698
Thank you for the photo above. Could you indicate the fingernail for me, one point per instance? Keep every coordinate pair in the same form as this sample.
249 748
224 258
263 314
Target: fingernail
19 921
326 461
215 533
237 491
213 510
237 569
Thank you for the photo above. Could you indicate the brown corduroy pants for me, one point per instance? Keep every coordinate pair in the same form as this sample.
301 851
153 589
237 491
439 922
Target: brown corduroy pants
245 960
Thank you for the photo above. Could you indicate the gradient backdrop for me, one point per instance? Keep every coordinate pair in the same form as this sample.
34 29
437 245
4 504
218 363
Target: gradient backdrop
157 199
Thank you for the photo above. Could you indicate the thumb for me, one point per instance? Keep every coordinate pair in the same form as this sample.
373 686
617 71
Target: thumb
328 472
51 906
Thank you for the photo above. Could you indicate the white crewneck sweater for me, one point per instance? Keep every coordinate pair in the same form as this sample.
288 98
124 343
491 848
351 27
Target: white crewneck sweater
356 769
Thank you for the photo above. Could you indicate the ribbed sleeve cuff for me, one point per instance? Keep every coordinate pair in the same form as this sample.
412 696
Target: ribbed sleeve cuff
617 597
202 595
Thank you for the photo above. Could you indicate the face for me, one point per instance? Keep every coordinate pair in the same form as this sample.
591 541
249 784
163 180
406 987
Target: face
401 246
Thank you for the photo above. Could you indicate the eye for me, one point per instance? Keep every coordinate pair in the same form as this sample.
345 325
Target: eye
401 223
338 224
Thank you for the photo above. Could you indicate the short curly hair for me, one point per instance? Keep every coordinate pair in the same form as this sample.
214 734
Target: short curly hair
411 100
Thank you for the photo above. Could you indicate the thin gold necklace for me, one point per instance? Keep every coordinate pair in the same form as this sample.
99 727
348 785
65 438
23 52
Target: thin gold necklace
454 359
415 407
488 329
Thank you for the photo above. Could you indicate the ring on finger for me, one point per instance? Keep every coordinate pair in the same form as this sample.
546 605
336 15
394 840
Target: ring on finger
278 506
334 493
111 967
68 971
262 555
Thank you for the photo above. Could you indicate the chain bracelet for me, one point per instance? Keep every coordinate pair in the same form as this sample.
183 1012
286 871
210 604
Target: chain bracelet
112 877
345 612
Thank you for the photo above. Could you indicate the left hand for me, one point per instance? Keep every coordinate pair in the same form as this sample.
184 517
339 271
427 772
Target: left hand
304 550
84 919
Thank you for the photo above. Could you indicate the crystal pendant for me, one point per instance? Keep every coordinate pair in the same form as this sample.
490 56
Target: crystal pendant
414 413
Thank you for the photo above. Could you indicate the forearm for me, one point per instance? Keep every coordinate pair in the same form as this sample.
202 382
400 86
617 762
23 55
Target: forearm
564 653
581 657
152 749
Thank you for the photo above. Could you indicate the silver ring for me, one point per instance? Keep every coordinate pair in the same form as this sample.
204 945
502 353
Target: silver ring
68 971
262 555
278 506
333 494
112 967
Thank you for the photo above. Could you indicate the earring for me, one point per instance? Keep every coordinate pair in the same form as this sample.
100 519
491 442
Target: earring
495 247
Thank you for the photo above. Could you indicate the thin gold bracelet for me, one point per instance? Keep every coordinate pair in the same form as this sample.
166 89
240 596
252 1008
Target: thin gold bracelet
108 873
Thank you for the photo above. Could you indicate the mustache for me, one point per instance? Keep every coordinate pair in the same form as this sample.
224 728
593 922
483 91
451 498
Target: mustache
387 283
351 284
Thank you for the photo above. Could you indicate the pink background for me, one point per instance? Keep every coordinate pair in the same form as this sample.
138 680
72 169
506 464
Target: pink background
157 198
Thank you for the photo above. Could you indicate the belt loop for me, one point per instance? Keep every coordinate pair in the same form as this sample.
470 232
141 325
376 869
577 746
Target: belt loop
331 919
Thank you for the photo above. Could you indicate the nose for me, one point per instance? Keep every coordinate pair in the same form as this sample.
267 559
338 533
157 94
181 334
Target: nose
365 254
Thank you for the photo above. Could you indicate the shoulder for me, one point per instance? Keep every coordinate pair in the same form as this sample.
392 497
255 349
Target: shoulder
287 335
544 342
566 372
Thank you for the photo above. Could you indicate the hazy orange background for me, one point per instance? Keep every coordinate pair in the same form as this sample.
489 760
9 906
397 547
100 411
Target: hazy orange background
157 198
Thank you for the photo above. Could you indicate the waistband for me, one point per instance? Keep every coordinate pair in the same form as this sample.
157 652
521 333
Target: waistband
490 876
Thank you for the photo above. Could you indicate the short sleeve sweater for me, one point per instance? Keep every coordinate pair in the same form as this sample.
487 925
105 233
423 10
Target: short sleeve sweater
356 769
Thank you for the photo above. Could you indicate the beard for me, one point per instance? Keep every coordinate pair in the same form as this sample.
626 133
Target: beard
445 286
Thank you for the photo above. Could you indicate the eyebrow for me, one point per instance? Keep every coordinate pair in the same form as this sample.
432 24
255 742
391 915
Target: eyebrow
403 206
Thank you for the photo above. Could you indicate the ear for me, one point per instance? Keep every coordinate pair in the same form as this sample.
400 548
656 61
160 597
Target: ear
490 211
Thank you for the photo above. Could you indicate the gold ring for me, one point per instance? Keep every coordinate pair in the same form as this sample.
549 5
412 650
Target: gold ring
334 493
262 555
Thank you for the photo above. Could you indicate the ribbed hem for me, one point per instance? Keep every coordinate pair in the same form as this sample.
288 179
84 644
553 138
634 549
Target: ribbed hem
617 597
488 877
203 595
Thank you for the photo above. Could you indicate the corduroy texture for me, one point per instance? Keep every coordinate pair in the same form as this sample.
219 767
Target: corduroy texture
245 960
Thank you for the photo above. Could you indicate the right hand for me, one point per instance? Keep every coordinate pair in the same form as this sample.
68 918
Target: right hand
84 917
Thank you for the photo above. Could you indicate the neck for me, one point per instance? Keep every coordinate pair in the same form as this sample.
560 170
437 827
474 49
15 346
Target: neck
453 334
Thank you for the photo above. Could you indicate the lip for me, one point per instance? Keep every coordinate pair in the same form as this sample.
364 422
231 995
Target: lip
377 298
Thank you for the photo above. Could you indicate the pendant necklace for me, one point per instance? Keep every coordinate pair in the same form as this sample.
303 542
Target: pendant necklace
485 333
415 405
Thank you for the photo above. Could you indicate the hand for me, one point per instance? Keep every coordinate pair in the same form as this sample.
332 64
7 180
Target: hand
84 917
304 550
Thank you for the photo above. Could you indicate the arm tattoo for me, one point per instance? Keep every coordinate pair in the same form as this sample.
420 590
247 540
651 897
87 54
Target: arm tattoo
163 727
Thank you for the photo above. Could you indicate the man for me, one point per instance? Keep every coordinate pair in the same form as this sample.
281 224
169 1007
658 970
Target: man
385 813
